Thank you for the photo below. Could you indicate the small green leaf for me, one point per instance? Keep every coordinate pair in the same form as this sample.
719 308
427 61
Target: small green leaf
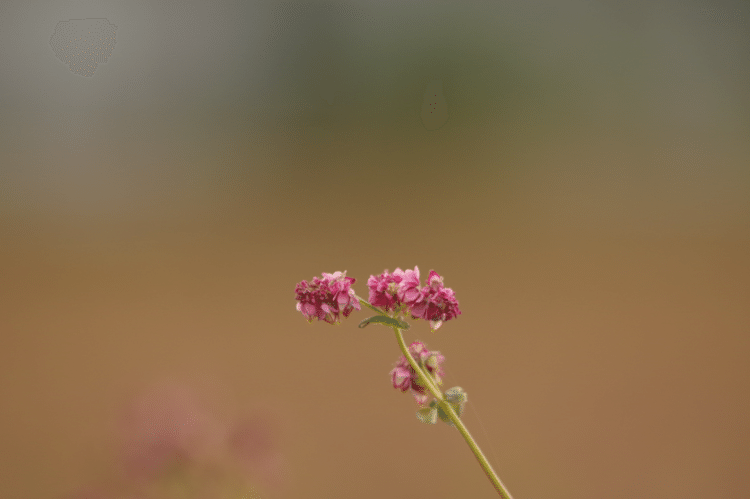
457 406
444 417
385 320
456 395
427 415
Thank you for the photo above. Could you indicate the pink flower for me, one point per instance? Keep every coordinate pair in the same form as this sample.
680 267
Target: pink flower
384 289
326 298
166 426
174 436
90 493
439 303
398 292
408 291
254 442
404 377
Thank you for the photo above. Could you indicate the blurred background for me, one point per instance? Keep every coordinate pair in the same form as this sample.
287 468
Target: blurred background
583 188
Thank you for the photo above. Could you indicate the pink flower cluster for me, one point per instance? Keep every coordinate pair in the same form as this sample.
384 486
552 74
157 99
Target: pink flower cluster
398 293
400 290
404 377
328 297
172 438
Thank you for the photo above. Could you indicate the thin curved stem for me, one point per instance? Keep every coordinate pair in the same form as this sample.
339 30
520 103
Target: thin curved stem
447 408
367 304
426 379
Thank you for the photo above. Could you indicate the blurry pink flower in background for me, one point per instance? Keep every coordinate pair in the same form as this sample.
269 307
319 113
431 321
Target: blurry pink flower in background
90 493
175 443
168 426
252 441
96 493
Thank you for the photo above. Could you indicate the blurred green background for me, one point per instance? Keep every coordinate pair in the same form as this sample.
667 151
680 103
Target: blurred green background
588 200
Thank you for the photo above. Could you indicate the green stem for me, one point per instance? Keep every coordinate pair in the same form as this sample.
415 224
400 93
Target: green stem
367 304
428 382
499 487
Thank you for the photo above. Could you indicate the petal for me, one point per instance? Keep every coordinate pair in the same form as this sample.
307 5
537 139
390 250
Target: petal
421 398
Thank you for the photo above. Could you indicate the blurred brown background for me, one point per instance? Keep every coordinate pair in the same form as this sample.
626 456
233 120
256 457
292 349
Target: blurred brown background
588 200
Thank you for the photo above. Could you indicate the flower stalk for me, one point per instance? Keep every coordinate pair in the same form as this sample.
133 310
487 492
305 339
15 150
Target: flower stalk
448 408
419 370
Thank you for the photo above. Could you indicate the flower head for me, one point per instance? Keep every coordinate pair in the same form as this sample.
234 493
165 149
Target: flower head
386 291
397 293
404 377
327 298
408 292
438 303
